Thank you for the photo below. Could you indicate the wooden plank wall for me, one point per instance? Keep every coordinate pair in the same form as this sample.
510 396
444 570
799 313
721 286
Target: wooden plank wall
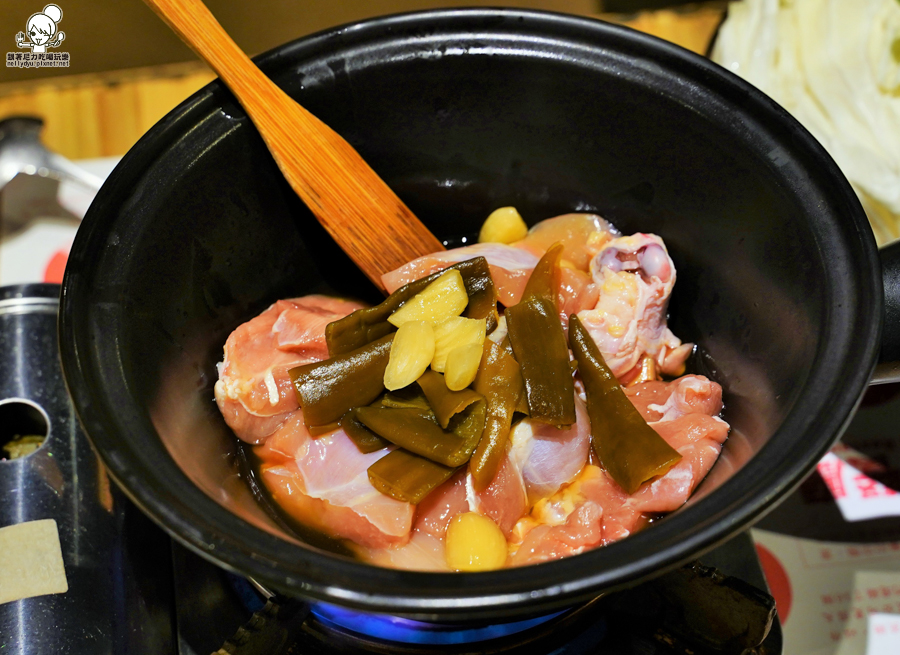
104 114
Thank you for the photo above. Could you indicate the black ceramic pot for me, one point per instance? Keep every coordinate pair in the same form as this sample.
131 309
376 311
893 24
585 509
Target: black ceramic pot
463 111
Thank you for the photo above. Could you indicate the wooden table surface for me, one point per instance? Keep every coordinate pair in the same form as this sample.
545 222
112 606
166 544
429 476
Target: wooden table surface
103 115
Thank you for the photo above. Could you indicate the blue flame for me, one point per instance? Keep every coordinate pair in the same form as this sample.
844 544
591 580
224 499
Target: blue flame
408 631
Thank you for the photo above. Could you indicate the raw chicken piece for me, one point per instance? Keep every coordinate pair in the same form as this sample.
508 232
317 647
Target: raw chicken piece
254 390
582 529
504 499
698 438
582 236
688 421
249 427
548 457
323 483
423 552
689 405
510 268
576 293
645 395
301 329
620 517
591 511
635 276
664 401
690 394
435 512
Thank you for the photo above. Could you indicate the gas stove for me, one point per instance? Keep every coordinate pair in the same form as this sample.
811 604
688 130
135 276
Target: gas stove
698 609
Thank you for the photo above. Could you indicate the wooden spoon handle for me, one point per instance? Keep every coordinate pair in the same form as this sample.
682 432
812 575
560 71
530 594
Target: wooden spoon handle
362 214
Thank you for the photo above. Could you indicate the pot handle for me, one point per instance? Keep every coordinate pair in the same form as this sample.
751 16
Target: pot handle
888 369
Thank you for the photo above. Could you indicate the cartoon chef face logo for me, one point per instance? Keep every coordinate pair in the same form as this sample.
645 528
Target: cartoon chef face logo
41 30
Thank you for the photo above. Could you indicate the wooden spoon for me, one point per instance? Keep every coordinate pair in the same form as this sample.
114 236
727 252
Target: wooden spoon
358 209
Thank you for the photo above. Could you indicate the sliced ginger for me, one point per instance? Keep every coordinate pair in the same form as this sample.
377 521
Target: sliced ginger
443 298
462 365
454 332
411 352
504 225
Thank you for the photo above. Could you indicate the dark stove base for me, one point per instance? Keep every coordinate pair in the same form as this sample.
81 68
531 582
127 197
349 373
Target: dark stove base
588 630
646 620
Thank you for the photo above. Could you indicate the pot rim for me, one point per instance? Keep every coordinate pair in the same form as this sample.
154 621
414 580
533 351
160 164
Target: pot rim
820 413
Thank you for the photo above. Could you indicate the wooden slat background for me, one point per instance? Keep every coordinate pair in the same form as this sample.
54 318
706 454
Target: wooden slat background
104 114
